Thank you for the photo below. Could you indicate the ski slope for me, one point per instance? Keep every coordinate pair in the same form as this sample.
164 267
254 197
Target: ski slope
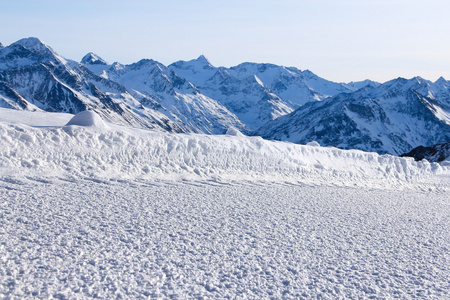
98 210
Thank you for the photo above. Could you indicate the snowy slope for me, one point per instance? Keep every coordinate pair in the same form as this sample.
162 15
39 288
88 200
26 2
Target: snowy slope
164 240
258 93
246 96
294 86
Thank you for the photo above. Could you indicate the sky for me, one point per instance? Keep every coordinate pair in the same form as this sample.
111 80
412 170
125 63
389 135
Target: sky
340 40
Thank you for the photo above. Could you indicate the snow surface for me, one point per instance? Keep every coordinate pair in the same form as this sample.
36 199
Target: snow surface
131 213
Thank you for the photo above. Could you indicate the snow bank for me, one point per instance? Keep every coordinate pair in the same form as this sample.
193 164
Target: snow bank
123 153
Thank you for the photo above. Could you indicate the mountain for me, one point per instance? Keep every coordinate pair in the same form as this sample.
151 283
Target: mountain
276 102
248 98
434 153
356 85
390 118
93 59
160 88
33 76
187 96
257 93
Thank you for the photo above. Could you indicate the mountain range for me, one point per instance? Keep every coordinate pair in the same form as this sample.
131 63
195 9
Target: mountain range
275 102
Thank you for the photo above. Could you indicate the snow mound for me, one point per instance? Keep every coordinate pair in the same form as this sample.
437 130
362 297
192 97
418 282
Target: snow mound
313 144
234 132
87 118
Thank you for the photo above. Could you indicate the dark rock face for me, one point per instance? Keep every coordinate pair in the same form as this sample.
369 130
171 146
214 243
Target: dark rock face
436 153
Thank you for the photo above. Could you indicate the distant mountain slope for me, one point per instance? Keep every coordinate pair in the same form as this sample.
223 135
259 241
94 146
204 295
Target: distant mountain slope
391 118
145 94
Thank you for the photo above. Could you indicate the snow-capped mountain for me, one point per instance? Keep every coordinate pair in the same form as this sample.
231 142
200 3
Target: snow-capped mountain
390 118
192 96
93 59
160 88
276 102
247 97
257 93
436 153
33 76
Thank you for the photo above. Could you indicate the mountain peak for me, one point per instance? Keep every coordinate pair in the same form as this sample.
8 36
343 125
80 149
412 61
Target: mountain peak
203 59
419 79
93 59
307 74
441 80
31 43
39 48
1 46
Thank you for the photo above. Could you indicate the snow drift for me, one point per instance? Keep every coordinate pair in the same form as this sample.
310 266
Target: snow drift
87 118
116 153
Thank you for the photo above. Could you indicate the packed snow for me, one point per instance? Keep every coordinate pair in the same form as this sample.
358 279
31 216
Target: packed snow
90 209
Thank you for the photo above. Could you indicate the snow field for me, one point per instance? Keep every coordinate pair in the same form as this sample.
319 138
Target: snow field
201 239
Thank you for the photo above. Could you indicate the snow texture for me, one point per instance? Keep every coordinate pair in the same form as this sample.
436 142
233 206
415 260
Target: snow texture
129 213
142 240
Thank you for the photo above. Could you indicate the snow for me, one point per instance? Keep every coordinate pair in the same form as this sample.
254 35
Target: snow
313 144
126 153
87 119
34 118
234 132
130 213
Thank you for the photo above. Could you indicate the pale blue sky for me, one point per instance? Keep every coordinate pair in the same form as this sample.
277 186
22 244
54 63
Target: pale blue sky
338 40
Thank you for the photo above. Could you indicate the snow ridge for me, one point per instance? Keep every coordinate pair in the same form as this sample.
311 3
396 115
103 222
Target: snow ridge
121 153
